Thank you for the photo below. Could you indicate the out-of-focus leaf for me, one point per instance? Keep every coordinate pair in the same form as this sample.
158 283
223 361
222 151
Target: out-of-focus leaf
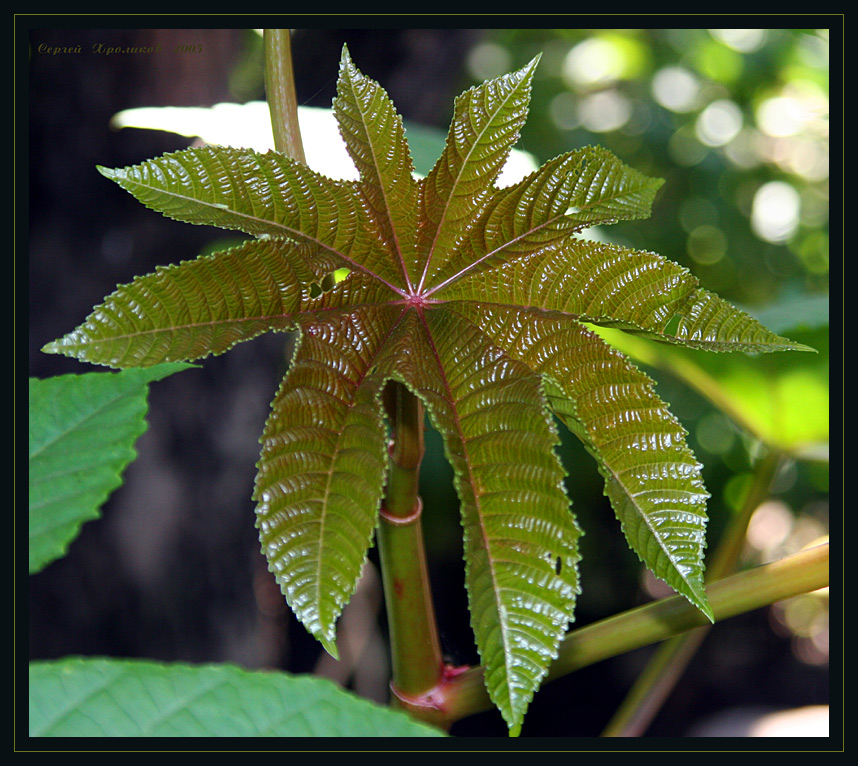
782 400
796 312
129 698
82 434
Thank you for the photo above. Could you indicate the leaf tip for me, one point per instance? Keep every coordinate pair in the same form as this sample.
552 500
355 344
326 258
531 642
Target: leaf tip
107 172
697 598
330 646
58 346
803 347
533 63
529 68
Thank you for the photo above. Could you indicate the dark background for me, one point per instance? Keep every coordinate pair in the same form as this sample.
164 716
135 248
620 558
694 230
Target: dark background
173 570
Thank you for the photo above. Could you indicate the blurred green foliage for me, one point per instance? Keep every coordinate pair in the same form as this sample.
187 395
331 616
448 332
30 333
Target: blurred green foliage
735 120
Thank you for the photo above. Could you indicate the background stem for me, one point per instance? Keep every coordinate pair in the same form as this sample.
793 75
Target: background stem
669 662
802 572
280 93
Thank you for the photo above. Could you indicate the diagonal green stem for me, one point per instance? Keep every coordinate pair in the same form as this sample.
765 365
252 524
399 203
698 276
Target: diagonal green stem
415 646
667 665
280 93
753 589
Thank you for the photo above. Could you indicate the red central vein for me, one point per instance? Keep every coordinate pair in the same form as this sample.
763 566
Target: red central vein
448 203
351 405
483 533
383 189
473 264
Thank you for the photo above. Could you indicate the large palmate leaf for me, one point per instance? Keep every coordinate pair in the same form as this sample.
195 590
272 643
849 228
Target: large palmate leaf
475 298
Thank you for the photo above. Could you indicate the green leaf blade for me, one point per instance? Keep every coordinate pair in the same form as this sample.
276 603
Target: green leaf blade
192 309
82 431
520 537
710 323
651 477
486 123
267 195
567 194
591 281
322 467
131 698
375 138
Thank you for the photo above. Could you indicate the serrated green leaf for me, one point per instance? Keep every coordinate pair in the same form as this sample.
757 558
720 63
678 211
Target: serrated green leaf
82 430
590 281
651 477
521 547
375 139
710 323
130 698
486 122
267 195
564 196
473 297
193 309
321 471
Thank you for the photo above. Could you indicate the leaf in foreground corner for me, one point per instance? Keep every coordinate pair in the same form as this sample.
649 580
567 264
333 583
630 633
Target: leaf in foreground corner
477 298
131 698
81 437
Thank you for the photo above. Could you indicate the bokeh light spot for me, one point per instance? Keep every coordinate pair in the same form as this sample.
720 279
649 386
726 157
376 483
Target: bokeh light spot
707 244
604 111
775 211
719 123
741 40
676 88
487 60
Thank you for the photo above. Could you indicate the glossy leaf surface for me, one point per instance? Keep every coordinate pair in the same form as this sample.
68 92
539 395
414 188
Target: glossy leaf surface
475 298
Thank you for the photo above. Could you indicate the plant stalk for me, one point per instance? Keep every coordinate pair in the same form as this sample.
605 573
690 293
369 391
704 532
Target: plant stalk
669 662
415 646
280 93
799 573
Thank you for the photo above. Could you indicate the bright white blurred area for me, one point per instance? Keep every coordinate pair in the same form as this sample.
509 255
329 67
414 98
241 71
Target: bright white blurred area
719 123
810 721
775 211
741 40
488 60
604 111
248 126
593 62
675 88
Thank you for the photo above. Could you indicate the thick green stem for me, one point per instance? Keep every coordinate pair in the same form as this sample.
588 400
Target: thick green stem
667 665
280 93
415 646
756 588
